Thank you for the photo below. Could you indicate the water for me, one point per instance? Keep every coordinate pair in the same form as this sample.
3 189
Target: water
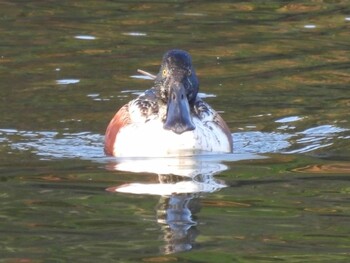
278 72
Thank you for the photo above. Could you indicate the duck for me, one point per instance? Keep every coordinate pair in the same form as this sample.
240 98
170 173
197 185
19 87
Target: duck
170 118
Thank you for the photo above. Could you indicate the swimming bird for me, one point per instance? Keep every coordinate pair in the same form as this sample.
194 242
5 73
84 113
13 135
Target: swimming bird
169 119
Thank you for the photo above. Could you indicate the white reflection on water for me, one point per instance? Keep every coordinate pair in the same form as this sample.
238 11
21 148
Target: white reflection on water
316 138
198 171
53 145
85 37
67 81
310 26
135 34
289 119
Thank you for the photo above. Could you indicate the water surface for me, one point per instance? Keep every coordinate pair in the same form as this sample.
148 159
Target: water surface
277 72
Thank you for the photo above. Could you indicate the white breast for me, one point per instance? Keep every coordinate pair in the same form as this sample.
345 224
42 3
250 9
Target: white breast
151 140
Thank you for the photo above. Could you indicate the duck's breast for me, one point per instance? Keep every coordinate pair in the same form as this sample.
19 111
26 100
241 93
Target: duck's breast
151 139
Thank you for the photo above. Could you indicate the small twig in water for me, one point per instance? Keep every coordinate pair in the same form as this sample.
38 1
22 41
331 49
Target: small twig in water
146 74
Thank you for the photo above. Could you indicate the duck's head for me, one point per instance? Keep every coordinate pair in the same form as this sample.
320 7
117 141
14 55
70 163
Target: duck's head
178 85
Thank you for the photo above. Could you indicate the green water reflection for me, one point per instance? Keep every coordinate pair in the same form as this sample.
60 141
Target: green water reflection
279 72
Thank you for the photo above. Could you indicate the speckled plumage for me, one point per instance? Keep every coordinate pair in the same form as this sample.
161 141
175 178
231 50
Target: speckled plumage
169 118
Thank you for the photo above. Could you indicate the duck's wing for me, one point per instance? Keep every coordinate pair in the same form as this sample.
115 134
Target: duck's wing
145 107
120 119
207 114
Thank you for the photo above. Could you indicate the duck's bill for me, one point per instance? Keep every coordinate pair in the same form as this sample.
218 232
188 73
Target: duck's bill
178 118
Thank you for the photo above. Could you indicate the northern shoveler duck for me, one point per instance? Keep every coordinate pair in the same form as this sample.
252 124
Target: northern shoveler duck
168 119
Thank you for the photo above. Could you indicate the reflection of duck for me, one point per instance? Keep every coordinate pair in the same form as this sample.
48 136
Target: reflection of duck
175 214
194 175
181 183
169 118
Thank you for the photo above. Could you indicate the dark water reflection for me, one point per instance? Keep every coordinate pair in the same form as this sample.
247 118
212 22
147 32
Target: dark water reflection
278 72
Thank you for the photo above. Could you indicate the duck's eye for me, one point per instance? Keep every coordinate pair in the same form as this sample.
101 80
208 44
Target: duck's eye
189 72
165 72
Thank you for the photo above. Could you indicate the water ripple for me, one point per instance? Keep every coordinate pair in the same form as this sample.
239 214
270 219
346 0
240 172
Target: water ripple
87 145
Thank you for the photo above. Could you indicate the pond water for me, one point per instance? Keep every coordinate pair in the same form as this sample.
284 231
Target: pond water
278 72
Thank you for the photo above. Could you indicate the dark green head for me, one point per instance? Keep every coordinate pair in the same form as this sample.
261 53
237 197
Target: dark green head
178 86
177 67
